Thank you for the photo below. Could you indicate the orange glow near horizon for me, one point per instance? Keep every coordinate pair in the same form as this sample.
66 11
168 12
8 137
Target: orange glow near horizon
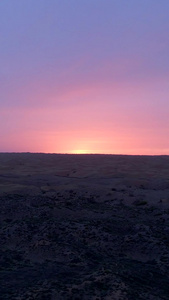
80 151
117 125
122 140
93 126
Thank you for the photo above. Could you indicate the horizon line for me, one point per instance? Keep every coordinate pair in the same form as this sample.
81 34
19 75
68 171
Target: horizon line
65 153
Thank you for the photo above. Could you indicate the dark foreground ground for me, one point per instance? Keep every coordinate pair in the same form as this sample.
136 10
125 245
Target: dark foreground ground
84 227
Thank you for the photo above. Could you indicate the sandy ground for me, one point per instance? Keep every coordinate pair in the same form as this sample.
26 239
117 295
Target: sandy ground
84 227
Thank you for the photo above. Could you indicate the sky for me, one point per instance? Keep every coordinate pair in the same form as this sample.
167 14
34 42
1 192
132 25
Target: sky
84 76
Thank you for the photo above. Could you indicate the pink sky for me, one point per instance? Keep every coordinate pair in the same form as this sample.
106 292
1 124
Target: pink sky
89 79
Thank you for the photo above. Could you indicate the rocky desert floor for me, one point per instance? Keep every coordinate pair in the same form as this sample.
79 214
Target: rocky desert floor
84 227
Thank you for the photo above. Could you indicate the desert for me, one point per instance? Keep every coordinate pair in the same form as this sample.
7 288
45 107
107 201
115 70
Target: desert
84 227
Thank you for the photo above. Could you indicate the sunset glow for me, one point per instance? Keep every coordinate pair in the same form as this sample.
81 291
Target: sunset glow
80 151
76 84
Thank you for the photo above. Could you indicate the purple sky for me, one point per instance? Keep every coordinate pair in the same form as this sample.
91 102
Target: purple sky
84 76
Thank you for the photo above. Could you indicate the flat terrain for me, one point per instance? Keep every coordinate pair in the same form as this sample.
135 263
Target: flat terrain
84 227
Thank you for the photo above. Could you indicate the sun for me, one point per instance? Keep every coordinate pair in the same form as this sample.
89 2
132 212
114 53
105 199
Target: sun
80 151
